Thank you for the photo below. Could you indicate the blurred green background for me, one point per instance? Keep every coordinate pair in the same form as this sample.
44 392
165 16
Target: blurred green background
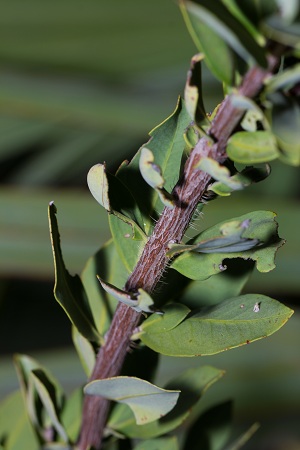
81 83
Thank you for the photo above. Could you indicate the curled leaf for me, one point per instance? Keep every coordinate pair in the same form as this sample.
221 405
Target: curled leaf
147 401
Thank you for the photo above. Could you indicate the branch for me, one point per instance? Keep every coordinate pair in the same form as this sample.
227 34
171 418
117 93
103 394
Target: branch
153 261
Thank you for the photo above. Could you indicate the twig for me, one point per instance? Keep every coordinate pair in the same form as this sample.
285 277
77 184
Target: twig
153 261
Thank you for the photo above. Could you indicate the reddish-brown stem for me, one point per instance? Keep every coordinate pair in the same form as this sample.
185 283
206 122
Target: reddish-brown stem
153 261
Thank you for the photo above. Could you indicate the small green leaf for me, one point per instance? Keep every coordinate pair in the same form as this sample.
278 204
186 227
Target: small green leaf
167 443
193 383
140 301
240 180
252 147
193 90
98 185
261 226
147 401
150 171
234 322
69 290
71 414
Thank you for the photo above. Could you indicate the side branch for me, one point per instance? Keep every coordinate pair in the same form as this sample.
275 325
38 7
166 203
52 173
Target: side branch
153 261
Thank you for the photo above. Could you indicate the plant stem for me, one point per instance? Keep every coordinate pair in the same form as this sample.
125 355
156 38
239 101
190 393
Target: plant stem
153 261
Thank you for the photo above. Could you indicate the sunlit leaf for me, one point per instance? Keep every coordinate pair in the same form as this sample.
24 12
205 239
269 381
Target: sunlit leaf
234 322
147 401
192 383
68 290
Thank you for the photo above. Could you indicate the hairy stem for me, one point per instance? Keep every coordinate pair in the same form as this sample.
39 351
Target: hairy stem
153 261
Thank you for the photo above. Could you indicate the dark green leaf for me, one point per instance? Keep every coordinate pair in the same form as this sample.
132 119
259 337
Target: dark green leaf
69 290
234 322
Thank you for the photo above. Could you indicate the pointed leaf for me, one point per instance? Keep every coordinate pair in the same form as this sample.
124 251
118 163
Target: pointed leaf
147 401
193 383
252 147
234 322
282 80
68 290
262 227
139 302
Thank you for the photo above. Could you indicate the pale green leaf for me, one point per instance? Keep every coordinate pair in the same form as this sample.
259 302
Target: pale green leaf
69 290
71 414
234 322
193 90
150 171
41 384
261 226
98 185
147 401
85 351
192 383
167 443
252 147
240 180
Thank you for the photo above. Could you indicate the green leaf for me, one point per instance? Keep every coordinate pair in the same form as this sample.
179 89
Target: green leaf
193 90
152 174
43 388
167 145
285 126
173 315
218 56
147 401
229 240
69 290
16 432
227 27
85 351
98 185
283 80
106 263
168 443
212 429
261 226
240 180
234 322
252 147
193 383
71 414
43 396
140 301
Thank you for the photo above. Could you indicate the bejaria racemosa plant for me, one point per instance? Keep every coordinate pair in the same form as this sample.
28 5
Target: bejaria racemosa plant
119 307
